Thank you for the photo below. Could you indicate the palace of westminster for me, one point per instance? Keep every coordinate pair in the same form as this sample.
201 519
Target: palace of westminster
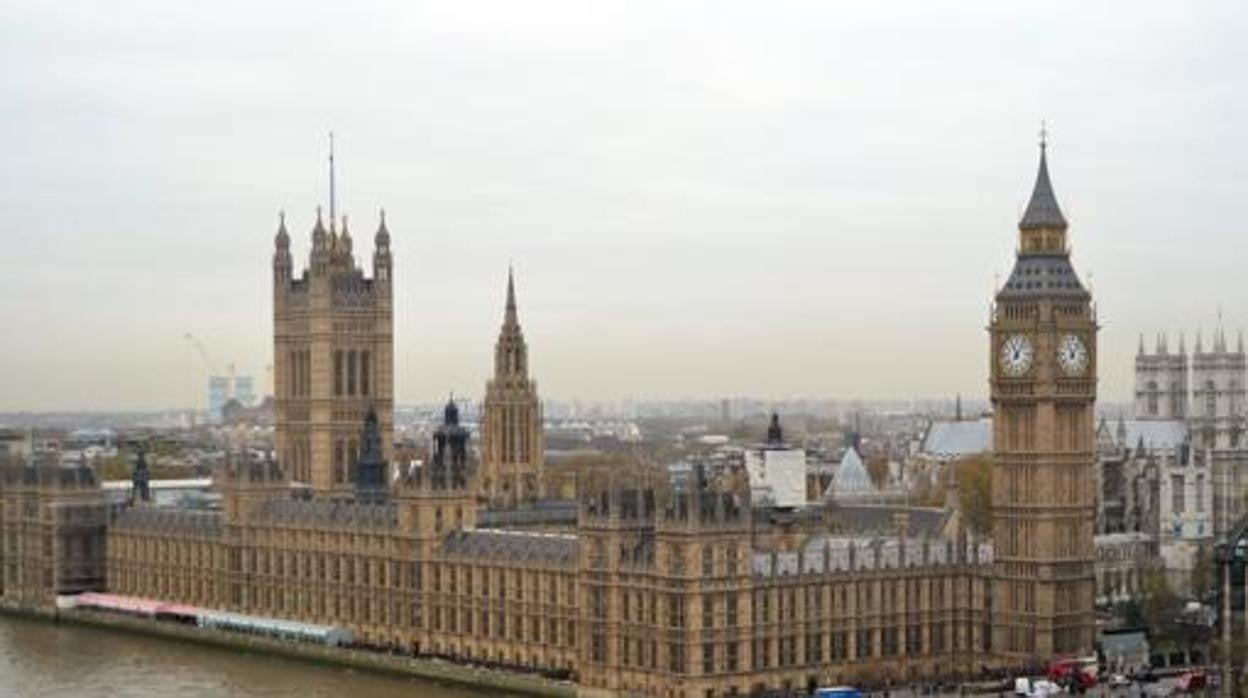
642 585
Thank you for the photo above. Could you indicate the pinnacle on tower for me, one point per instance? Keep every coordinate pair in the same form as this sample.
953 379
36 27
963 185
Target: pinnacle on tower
283 238
1140 350
1239 345
510 316
1182 344
383 234
319 235
1042 210
1200 344
344 238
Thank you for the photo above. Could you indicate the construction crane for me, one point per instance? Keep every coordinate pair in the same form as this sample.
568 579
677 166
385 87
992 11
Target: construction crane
203 352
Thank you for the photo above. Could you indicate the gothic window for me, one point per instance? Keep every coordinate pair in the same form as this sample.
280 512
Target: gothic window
291 388
365 367
1177 500
1152 397
1211 399
351 372
339 461
1200 494
337 373
1176 401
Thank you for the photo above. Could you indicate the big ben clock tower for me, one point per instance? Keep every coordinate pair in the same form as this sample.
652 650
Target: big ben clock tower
1043 376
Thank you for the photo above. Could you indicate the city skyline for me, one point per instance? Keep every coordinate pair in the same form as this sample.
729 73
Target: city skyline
756 217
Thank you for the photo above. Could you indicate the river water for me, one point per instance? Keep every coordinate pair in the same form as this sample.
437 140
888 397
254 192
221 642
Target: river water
42 659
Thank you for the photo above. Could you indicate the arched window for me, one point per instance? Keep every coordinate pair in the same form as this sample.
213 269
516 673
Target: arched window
351 372
1211 399
337 373
1176 401
1151 389
339 462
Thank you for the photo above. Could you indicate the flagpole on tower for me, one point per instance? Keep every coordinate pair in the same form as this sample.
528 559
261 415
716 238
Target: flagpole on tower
332 198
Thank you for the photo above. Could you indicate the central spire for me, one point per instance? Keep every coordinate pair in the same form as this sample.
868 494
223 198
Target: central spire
509 316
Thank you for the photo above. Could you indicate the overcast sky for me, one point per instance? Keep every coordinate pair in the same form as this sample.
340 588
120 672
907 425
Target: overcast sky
700 199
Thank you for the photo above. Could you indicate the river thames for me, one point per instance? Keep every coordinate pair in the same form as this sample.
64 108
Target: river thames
42 659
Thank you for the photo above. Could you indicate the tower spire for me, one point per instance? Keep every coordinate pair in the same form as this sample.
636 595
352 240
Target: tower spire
510 316
1042 210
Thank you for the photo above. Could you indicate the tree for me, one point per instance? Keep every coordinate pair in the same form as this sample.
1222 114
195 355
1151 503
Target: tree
974 478
877 469
1204 574
1160 606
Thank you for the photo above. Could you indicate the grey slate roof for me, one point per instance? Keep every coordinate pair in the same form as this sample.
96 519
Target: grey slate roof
948 440
1043 275
879 520
320 512
169 520
555 549
544 512
1042 211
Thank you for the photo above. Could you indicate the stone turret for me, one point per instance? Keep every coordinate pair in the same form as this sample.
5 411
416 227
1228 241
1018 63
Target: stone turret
438 496
247 482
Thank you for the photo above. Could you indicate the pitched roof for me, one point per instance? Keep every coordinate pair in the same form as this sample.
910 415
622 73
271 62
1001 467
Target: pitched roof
880 519
551 549
1042 211
851 477
955 439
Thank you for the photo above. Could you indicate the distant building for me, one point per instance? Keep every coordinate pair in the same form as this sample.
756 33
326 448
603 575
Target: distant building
777 472
15 444
219 392
1212 412
245 390
1150 481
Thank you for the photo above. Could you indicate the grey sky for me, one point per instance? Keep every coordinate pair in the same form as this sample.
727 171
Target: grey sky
700 199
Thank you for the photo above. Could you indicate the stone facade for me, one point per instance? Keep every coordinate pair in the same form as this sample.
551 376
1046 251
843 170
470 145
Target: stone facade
1043 379
52 532
1213 412
332 354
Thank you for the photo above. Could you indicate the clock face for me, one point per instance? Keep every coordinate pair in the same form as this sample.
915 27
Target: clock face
1072 356
1016 355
